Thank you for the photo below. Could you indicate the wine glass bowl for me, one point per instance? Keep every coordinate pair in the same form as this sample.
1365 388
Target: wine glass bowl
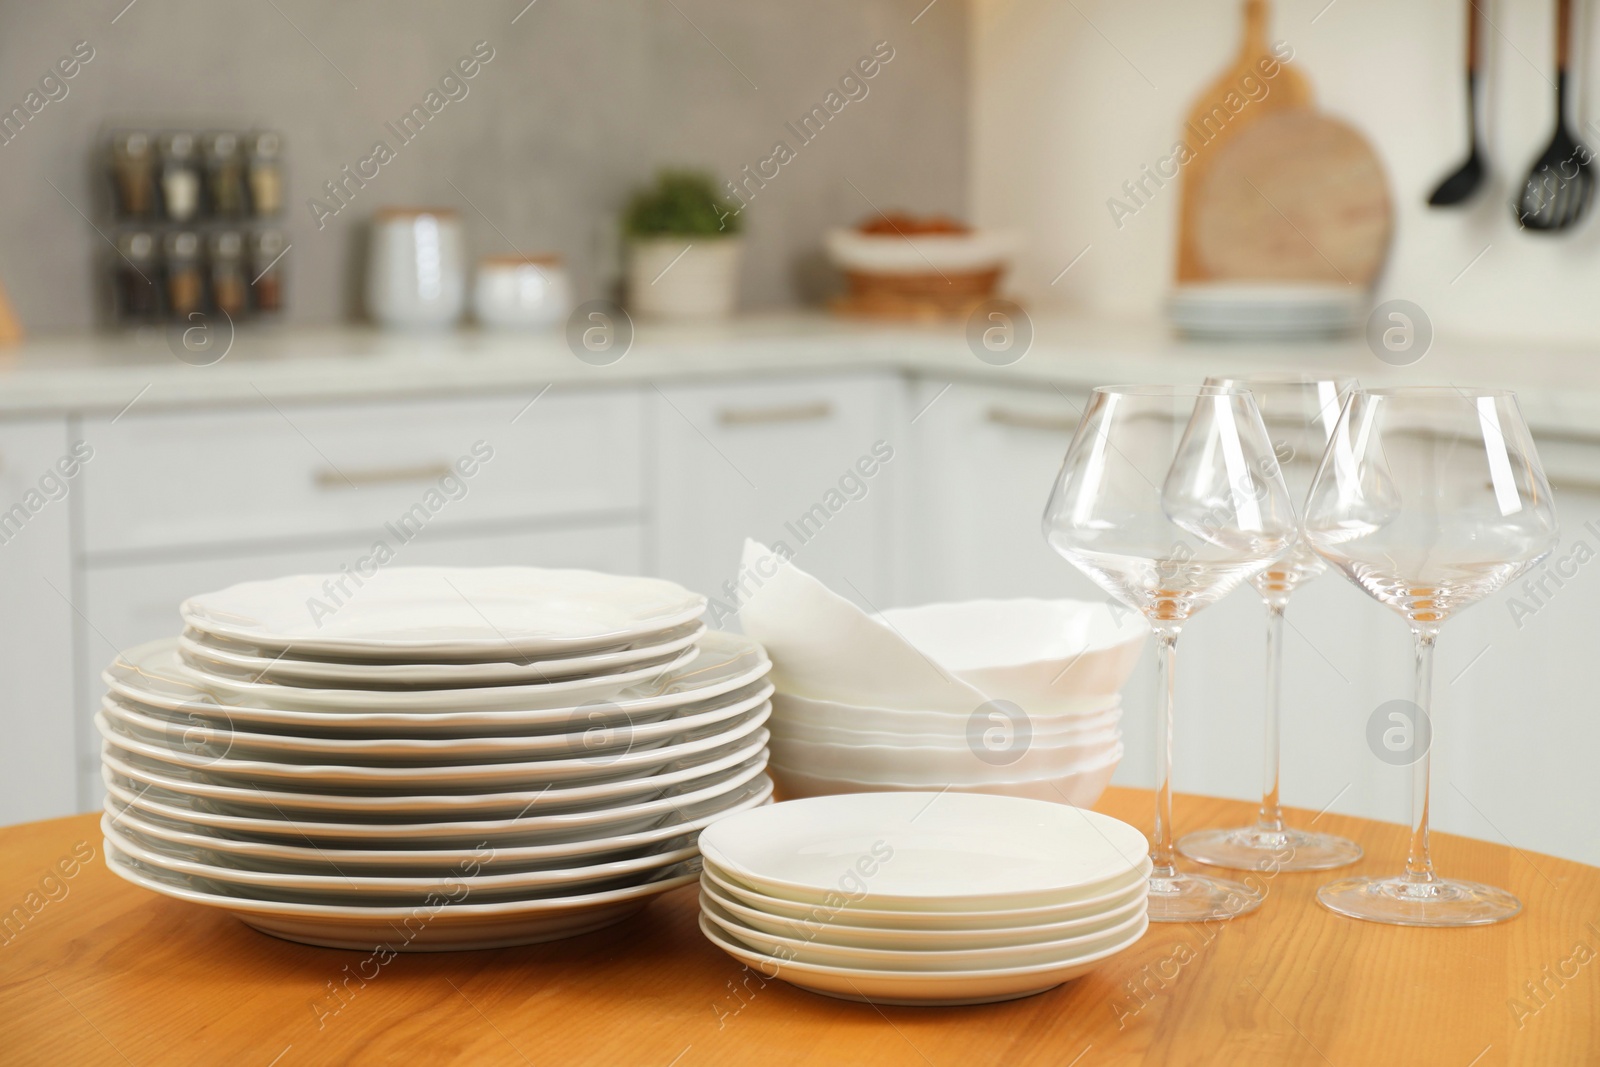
1299 413
1169 498
1429 499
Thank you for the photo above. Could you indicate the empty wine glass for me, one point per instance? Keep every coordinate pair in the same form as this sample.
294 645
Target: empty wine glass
1299 413
1169 498
1430 499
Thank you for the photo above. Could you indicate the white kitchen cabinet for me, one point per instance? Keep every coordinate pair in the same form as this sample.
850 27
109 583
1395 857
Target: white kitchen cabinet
273 471
808 462
37 772
129 604
983 460
980 468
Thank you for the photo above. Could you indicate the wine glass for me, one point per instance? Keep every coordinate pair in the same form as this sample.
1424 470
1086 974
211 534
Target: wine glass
1299 413
1168 499
1430 499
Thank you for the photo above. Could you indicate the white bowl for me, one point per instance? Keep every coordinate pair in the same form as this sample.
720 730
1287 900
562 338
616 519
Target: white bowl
919 253
820 927
999 922
1039 654
1080 789
927 851
995 755
828 720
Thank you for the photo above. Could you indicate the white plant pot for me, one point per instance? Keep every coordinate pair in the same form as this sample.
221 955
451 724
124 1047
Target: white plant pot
683 277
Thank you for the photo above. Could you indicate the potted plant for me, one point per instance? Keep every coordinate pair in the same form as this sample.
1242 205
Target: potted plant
683 248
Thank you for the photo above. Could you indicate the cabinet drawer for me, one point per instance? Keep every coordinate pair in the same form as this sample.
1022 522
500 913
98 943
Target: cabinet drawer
174 479
785 462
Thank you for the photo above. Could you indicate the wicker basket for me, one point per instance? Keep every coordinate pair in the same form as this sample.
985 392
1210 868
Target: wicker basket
916 296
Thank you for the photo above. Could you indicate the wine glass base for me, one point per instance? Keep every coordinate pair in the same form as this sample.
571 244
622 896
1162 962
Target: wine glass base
1253 848
1188 898
1402 902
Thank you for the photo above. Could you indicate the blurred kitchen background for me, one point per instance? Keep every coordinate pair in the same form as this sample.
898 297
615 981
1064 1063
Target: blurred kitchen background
1005 127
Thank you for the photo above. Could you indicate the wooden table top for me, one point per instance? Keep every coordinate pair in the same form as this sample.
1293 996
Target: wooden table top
100 971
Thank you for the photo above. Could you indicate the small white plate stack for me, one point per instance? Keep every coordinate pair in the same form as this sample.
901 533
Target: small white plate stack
450 758
923 898
1263 311
1014 697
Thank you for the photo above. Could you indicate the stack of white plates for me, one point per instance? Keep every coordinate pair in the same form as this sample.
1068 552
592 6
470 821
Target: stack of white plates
454 758
1265 311
923 898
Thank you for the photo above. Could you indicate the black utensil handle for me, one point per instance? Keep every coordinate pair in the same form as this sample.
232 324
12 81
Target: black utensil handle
1563 33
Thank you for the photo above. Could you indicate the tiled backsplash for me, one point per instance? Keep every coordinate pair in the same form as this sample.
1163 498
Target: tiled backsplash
537 148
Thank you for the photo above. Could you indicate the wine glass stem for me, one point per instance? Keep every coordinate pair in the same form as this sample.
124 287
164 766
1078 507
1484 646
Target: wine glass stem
1419 866
1271 818
1161 851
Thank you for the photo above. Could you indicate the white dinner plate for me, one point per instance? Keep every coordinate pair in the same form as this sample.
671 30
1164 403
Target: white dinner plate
913 988
822 929
578 827
638 761
810 949
553 797
929 851
411 614
476 879
847 911
436 926
152 676
558 694
589 737
215 653
679 827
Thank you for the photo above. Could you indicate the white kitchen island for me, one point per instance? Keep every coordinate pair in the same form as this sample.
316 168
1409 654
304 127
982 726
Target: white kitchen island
303 450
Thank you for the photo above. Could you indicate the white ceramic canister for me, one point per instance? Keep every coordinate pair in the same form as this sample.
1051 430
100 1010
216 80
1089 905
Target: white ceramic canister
416 270
522 292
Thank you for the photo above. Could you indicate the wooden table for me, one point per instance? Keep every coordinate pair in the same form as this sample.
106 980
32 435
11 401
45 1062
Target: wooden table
105 972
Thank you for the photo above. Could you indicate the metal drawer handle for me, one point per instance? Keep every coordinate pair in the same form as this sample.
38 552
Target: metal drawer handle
1027 420
328 478
792 413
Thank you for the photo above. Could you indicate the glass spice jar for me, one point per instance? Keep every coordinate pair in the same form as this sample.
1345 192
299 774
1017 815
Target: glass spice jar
266 260
266 174
180 177
228 282
137 295
185 284
133 173
225 175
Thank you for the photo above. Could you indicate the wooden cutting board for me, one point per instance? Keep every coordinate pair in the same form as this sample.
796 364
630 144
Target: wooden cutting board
1228 107
1299 196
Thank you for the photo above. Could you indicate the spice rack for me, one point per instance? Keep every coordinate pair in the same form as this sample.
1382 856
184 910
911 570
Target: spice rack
196 223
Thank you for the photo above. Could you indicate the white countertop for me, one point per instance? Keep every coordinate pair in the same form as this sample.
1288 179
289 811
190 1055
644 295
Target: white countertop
1560 388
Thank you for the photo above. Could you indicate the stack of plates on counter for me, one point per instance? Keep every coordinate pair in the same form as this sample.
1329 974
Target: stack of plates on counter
1016 697
1266 311
923 898
450 758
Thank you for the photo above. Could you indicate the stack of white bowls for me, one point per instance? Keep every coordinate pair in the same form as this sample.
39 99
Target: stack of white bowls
1015 697
923 898
449 758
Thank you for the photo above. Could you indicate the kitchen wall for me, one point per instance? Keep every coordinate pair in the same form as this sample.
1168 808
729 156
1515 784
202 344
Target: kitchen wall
580 102
1069 100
